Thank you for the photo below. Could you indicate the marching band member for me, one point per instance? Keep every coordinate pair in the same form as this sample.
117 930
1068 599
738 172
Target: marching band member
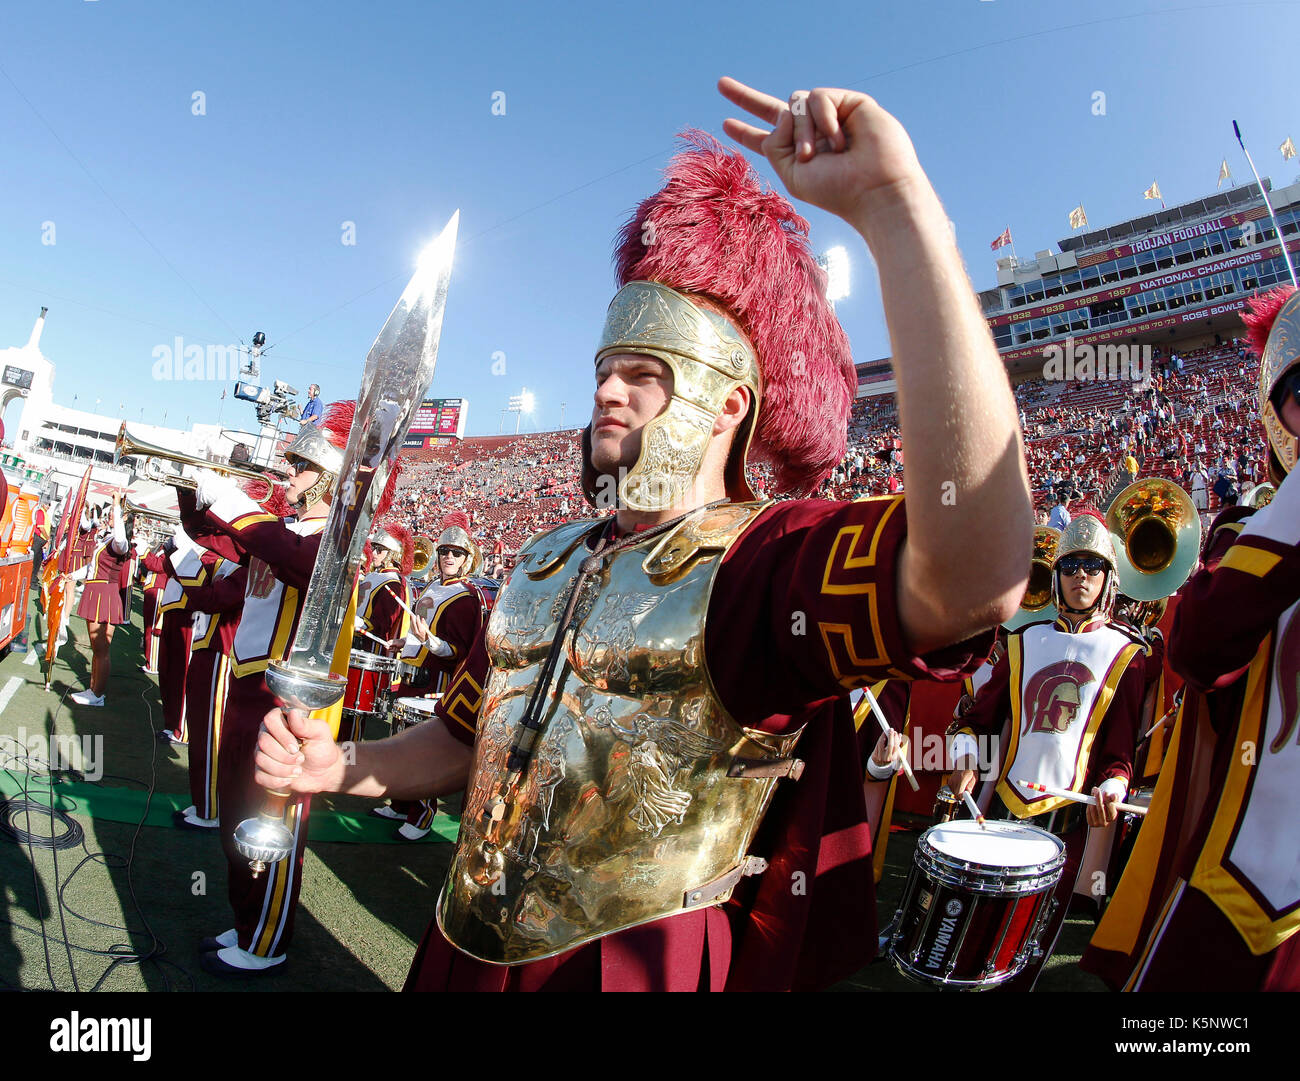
383 597
626 769
279 556
448 621
152 580
101 600
386 588
1073 689
1210 898
216 602
881 758
183 566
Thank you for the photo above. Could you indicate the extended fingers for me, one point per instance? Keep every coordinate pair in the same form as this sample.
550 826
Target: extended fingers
761 105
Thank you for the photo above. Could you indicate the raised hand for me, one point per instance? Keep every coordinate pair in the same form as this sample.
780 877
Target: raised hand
836 149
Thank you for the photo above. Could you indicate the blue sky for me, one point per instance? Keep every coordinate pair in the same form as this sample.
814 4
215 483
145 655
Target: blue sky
212 226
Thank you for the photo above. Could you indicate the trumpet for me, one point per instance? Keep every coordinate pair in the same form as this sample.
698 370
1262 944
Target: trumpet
1037 604
1157 535
148 512
129 446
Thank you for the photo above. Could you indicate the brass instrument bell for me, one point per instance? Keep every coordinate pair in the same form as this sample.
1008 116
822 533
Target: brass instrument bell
1157 535
1036 604
423 556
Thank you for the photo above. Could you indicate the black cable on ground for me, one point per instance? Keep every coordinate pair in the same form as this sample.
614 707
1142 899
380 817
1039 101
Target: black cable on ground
72 836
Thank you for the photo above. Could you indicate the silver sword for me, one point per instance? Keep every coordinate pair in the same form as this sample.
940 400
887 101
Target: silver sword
398 371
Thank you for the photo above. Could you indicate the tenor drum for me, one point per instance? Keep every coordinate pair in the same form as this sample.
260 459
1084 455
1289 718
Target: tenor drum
408 712
369 675
975 903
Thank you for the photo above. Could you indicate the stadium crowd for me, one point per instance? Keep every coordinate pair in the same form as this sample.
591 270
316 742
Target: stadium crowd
1194 420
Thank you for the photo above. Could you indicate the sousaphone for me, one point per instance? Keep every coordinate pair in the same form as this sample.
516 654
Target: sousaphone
1157 535
1037 604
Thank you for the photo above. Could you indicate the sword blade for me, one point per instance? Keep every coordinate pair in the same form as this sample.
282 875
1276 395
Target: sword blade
398 371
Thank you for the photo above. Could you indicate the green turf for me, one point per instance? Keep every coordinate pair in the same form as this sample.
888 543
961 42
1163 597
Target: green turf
138 894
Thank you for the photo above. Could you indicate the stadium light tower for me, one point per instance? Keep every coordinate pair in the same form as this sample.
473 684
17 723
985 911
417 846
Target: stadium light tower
523 402
835 261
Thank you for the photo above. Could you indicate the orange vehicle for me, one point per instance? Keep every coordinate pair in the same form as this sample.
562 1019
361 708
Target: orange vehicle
17 529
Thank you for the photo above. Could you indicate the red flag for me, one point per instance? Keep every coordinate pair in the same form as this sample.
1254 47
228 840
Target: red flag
1004 238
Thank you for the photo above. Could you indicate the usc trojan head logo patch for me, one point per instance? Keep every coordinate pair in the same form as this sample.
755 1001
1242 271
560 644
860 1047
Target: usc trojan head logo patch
1052 697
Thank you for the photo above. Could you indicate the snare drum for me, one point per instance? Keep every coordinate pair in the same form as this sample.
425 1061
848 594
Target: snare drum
976 902
369 675
408 712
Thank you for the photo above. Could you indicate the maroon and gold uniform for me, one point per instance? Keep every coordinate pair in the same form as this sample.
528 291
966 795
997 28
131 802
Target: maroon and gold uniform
380 598
1066 703
216 603
279 557
894 697
783 660
1210 898
152 580
184 567
454 612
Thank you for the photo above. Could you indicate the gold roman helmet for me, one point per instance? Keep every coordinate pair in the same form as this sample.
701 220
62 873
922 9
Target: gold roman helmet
454 536
1281 354
709 357
1086 535
311 446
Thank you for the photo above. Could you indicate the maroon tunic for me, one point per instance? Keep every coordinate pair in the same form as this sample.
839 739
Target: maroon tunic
809 920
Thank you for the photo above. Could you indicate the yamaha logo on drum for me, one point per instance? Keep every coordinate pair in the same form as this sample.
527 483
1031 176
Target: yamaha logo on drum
943 938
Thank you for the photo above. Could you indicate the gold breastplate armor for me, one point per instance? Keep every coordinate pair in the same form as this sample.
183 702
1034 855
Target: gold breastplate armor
643 794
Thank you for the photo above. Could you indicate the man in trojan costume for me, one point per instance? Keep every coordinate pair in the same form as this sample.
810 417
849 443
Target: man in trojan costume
1073 688
1210 899
280 556
665 790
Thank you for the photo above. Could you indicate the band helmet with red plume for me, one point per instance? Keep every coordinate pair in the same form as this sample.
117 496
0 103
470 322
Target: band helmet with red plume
717 280
394 536
322 446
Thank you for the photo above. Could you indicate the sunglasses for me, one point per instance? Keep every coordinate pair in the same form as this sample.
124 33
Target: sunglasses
452 552
1071 565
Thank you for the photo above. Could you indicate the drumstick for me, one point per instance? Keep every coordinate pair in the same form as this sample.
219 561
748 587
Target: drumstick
885 727
1079 797
373 638
1172 713
974 809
